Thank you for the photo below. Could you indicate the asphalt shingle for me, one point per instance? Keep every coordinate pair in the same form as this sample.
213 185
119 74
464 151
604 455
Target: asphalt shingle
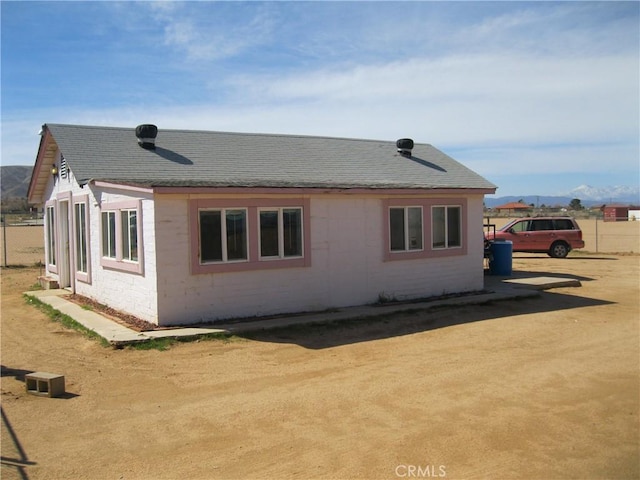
202 158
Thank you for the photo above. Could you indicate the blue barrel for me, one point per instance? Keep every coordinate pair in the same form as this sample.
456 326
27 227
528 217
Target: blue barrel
500 261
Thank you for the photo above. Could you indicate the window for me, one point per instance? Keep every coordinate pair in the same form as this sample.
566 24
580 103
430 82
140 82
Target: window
405 228
420 228
446 227
280 233
51 236
563 224
520 226
129 235
80 212
109 234
223 235
246 234
541 225
121 226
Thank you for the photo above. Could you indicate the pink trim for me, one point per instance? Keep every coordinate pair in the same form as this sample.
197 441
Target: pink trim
428 251
119 263
66 196
51 204
84 277
121 186
121 205
253 263
312 191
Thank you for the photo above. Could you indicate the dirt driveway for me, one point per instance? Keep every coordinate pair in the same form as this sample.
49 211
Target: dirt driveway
538 388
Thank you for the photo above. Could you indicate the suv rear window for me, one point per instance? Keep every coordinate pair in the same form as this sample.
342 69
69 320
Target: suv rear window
563 224
539 225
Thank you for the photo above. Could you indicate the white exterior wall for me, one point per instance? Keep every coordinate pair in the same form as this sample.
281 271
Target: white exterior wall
128 292
131 293
347 266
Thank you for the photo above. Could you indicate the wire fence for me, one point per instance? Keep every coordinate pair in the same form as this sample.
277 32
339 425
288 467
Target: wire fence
22 242
599 236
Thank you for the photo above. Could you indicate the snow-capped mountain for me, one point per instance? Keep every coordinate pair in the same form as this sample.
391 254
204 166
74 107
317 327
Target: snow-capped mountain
588 196
611 194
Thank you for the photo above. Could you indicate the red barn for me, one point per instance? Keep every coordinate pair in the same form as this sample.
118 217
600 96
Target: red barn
616 213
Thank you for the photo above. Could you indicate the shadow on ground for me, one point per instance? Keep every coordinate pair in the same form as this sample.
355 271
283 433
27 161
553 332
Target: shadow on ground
14 457
577 257
327 335
17 373
531 274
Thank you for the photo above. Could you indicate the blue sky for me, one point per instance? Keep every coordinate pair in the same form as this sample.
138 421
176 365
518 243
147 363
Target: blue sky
538 97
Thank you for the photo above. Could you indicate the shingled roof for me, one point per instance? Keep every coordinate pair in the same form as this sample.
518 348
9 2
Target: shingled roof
191 158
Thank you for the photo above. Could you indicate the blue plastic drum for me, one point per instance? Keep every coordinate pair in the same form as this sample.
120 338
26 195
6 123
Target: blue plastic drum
500 261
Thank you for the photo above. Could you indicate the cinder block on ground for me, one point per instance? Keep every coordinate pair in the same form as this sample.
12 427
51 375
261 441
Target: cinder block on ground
44 384
48 283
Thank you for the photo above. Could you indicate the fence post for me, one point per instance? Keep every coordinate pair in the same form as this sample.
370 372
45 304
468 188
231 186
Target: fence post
4 240
596 233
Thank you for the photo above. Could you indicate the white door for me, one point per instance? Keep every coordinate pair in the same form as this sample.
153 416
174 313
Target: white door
64 226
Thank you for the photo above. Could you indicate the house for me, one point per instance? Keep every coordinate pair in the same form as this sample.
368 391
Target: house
184 227
617 212
517 208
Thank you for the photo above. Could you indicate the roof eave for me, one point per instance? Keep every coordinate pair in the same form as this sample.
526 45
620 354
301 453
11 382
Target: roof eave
41 170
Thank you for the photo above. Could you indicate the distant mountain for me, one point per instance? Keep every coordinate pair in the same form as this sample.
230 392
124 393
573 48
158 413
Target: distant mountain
14 181
614 194
588 196
536 200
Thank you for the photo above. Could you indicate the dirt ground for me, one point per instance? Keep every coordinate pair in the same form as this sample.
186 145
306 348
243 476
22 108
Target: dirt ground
539 388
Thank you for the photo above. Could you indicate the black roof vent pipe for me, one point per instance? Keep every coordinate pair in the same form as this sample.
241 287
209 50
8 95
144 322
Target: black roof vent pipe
405 145
147 136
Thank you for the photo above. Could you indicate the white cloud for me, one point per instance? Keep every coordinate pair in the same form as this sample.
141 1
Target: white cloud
552 160
211 36
466 99
515 107
543 88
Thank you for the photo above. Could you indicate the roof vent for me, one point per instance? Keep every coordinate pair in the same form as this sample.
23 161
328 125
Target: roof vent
405 145
147 136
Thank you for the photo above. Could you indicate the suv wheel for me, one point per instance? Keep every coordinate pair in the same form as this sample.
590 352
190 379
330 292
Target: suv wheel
559 250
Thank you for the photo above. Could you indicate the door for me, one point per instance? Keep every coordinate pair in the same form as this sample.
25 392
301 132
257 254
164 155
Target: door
520 235
542 234
65 268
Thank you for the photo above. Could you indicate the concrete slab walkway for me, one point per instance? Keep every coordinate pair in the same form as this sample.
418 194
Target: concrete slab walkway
496 289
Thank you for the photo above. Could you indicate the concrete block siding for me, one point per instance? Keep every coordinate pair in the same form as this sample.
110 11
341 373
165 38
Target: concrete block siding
125 291
347 266
128 292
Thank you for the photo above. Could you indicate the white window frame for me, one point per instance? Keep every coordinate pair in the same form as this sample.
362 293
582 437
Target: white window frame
127 255
81 240
109 245
407 246
223 234
446 245
252 205
120 262
51 254
281 246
